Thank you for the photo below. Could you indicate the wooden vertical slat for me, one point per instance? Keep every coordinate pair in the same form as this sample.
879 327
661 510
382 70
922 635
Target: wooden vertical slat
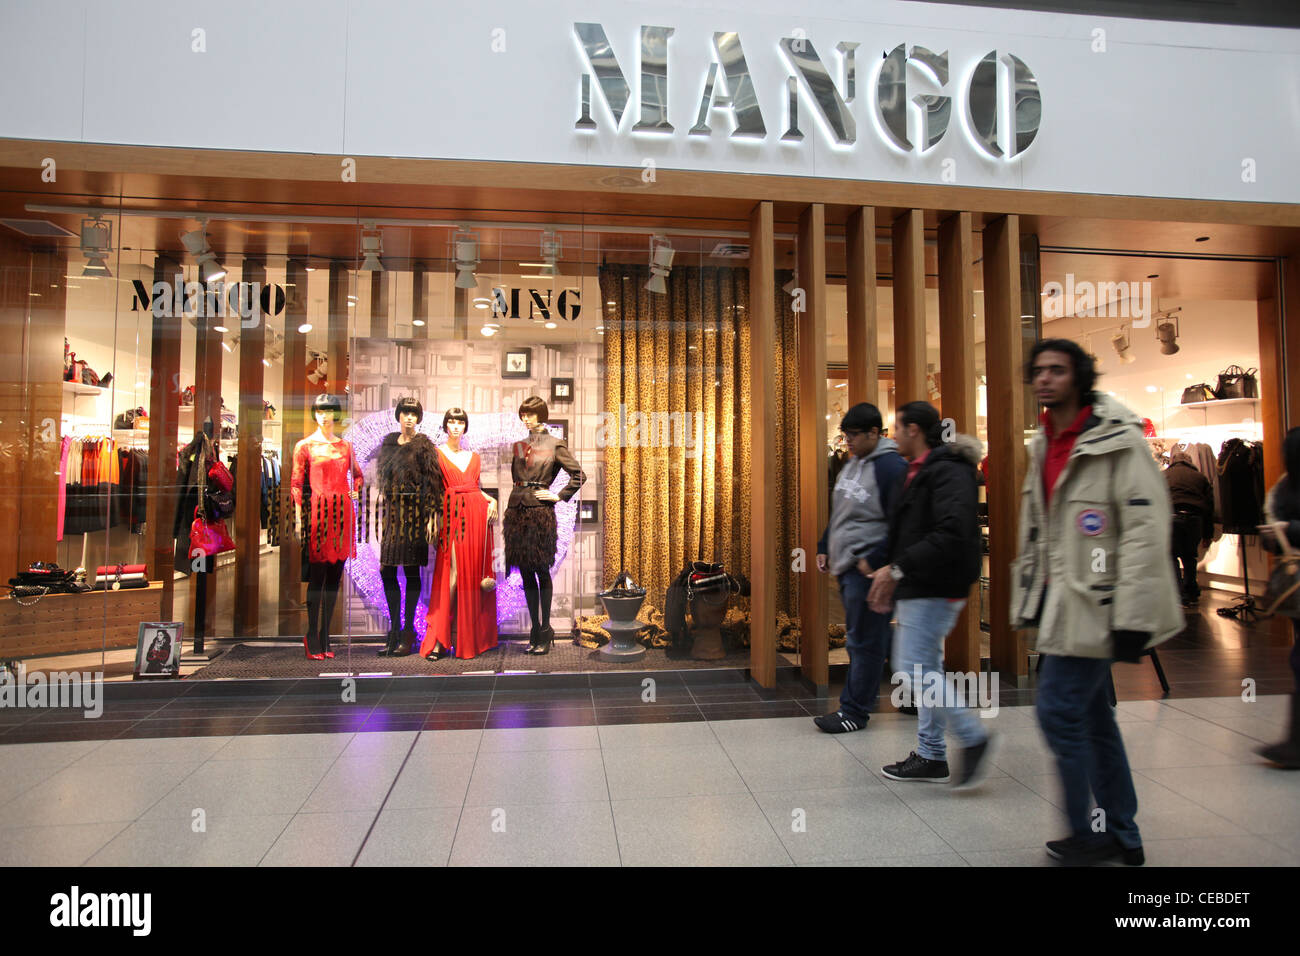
762 413
164 419
1291 310
40 434
1007 460
814 646
339 386
294 416
208 356
909 307
957 367
15 283
1272 395
419 302
864 349
379 288
248 476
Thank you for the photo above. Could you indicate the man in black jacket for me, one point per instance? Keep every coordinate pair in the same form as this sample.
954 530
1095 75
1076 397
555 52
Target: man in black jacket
934 553
1193 520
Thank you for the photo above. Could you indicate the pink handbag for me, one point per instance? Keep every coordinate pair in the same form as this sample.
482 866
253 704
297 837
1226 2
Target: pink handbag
209 537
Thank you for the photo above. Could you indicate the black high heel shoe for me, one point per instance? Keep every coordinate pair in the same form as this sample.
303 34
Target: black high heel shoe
544 638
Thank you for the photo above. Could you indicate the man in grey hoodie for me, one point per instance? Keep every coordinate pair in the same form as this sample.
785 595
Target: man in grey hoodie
853 546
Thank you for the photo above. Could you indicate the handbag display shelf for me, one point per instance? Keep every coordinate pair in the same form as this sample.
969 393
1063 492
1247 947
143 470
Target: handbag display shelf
61 623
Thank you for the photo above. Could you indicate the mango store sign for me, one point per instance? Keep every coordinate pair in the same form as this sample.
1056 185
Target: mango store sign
998 105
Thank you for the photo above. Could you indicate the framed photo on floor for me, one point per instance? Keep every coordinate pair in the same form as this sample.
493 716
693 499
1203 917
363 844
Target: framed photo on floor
158 650
517 363
561 391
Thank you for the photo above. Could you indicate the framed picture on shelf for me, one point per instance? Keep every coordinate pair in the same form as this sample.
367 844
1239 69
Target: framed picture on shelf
561 391
559 427
588 511
158 650
517 363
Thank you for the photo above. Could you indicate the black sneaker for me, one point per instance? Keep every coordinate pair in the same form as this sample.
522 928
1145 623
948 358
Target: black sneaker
838 723
917 768
910 711
974 762
1094 850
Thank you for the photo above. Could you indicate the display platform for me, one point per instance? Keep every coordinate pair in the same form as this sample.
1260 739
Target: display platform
265 660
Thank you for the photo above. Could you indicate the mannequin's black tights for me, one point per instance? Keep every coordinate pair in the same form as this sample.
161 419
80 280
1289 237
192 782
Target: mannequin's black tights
323 579
537 592
393 594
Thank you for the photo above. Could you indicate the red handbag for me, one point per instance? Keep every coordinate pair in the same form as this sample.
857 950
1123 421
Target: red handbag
220 475
209 537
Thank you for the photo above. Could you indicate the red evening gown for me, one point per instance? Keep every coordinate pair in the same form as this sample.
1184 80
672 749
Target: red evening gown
465 532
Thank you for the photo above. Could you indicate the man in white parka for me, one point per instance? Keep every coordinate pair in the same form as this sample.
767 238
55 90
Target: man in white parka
1093 576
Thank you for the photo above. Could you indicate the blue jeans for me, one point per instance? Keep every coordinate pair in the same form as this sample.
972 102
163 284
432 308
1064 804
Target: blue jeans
923 624
867 639
1077 720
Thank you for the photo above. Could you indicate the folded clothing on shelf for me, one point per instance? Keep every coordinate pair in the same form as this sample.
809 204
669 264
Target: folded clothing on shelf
124 569
107 584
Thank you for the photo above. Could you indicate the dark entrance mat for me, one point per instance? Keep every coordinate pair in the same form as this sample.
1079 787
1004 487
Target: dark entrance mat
265 660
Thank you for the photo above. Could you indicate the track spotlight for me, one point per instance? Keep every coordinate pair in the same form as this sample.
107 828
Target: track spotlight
1167 332
196 244
1123 346
466 246
96 246
661 264
372 247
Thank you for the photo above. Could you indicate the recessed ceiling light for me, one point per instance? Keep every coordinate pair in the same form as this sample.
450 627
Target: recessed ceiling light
1202 238
418 323
305 328
220 328
610 304
550 325
1152 388
1154 275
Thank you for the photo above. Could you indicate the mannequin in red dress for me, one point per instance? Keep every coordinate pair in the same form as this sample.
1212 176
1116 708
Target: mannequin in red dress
461 611
331 529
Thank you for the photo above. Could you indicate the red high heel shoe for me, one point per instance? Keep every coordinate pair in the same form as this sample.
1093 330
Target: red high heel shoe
310 656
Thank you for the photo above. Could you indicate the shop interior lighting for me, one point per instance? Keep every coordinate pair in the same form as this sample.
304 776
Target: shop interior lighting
550 252
372 247
661 264
196 244
305 328
482 302
1123 345
96 246
466 246
1167 331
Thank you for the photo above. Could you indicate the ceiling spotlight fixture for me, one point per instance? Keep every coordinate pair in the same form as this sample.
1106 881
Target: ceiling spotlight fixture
661 263
551 325
305 328
466 246
96 246
1202 238
418 323
196 244
488 331
220 328
372 247
1123 346
1167 331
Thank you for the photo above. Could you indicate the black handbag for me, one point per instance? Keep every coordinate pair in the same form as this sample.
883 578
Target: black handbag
1237 382
1197 393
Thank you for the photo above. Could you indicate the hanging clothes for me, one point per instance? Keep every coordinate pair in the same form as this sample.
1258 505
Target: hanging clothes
191 481
1241 479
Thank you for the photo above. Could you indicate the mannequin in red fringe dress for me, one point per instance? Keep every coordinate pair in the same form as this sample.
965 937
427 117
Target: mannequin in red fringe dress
461 613
331 529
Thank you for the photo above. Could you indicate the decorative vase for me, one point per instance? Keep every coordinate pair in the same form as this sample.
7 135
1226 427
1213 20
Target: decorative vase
622 602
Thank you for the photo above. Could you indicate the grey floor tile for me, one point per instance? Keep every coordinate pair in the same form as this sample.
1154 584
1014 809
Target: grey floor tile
1002 814
1152 746
717 830
420 836
1257 728
547 834
847 823
153 750
388 742
539 738
1130 710
1213 735
794 764
70 844
15 758
1218 852
320 839
1023 753
649 772
1213 707
1030 856
95 794
224 841
448 741
233 788
355 783
765 729
631 736
549 776
920 859
284 747
432 780
1258 798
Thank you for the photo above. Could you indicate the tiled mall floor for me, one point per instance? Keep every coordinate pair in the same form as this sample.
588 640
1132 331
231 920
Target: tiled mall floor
695 790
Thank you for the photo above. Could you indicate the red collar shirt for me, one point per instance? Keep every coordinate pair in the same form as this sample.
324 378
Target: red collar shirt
1059 448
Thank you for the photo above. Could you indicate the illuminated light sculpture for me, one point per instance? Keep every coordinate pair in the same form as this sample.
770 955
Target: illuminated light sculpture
487 430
